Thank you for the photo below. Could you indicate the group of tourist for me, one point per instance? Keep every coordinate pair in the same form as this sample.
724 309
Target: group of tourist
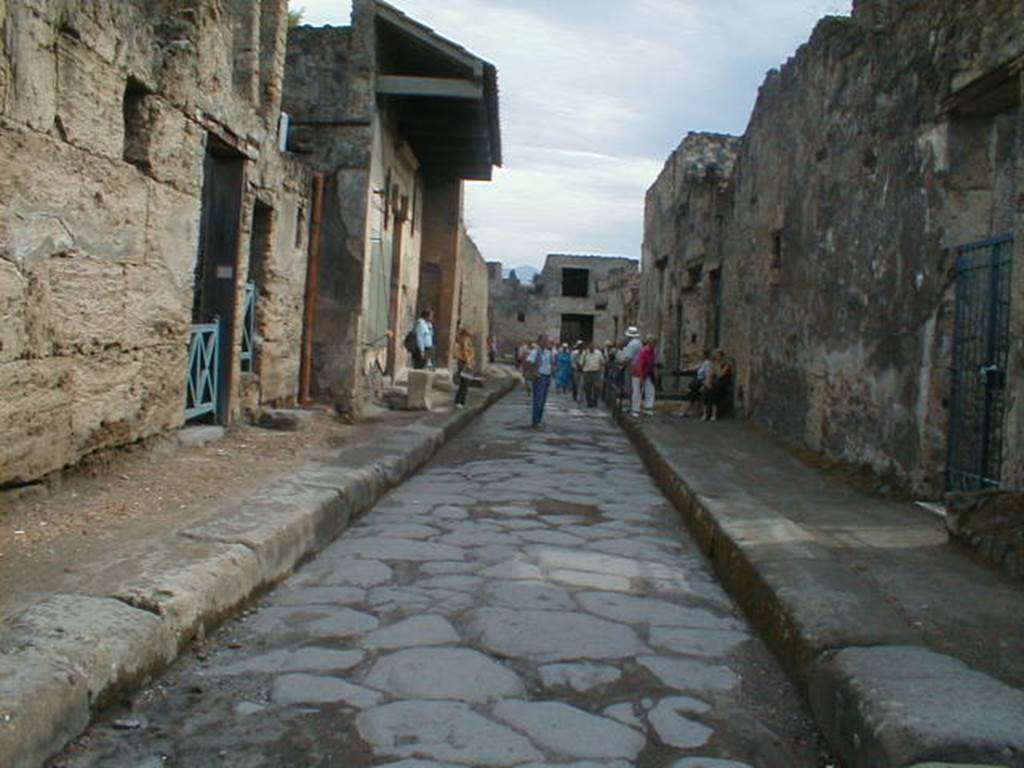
588 372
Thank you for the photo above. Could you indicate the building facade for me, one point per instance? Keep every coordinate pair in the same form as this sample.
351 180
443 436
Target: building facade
574 298
396 117
858 266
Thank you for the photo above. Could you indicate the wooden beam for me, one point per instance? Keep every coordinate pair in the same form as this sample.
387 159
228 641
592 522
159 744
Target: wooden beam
437 87
428 37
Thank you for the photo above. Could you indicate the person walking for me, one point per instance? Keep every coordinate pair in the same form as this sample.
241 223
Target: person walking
643 379
577 372
592 365
524 366
423 356
563 370
540 362
465 360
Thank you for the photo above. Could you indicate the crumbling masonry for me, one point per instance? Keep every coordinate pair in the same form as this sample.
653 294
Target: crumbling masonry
829 250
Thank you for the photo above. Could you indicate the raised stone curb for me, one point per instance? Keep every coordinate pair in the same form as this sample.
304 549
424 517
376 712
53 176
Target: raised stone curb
881 698
74 653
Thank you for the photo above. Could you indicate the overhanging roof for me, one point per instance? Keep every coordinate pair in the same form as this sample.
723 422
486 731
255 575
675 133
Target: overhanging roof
446 97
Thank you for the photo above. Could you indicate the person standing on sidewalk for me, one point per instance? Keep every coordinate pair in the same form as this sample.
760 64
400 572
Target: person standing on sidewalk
424 354
540 362
465 360
592 364
715 385
643 379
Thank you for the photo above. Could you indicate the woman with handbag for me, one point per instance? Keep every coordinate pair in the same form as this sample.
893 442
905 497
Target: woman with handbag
465 360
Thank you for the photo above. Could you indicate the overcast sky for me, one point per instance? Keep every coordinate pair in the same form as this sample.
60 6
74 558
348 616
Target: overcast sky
595 95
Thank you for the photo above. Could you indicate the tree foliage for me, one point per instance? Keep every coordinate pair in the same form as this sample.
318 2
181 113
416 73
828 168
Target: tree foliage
295 16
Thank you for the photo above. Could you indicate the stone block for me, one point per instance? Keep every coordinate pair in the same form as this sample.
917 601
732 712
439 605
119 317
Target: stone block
120 397
174 146
53 706
35 440
420 385
34 84
83 304
102 214
89 99
13 312
172 233
890 706
285 419
156 308
109 643
5 63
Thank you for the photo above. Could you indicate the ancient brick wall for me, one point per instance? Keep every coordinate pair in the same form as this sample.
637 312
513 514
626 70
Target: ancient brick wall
868 159
105 113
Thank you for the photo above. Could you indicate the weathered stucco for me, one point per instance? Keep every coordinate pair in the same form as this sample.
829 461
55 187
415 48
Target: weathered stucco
105 110
865 164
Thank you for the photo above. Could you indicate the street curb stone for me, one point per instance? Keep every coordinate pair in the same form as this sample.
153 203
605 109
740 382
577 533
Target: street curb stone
881 698
73 653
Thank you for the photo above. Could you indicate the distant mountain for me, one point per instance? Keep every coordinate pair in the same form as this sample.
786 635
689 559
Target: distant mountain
525 273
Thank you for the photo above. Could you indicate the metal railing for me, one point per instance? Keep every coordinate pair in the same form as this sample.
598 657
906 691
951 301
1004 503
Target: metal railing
248 356
203 364
981 345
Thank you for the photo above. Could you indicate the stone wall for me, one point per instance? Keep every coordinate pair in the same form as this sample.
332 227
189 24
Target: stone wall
105 113
684 218
521 312
888 140
473 295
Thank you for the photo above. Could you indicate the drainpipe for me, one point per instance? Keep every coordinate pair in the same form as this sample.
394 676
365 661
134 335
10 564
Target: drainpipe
312 289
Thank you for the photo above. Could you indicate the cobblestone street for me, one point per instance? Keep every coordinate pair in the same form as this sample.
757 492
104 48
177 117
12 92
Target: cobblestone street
529 599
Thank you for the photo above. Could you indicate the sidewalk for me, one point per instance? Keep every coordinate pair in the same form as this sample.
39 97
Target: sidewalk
907 649
82 623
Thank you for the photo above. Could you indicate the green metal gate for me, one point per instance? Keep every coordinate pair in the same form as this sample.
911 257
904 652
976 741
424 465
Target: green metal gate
981 342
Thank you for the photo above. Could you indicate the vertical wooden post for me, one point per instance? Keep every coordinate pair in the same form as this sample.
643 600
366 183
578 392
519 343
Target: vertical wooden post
312 289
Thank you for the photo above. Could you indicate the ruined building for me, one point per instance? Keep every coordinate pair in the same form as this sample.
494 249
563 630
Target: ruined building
852 251
397 118
684 216
575 297
174 248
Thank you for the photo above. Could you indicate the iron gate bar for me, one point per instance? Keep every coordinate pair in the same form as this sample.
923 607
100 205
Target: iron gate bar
203 361
248 328
980 351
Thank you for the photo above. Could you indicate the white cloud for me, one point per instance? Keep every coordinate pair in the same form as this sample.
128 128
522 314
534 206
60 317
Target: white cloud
594 96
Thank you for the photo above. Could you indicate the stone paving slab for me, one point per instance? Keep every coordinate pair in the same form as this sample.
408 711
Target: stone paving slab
189 581
375 653
864 602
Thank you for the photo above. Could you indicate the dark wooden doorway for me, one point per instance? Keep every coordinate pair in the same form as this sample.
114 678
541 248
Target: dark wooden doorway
577 328
216 274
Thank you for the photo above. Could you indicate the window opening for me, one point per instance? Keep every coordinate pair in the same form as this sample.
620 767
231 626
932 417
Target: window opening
575 282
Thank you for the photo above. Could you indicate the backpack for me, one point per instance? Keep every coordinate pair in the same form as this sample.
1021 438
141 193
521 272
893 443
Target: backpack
410 341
